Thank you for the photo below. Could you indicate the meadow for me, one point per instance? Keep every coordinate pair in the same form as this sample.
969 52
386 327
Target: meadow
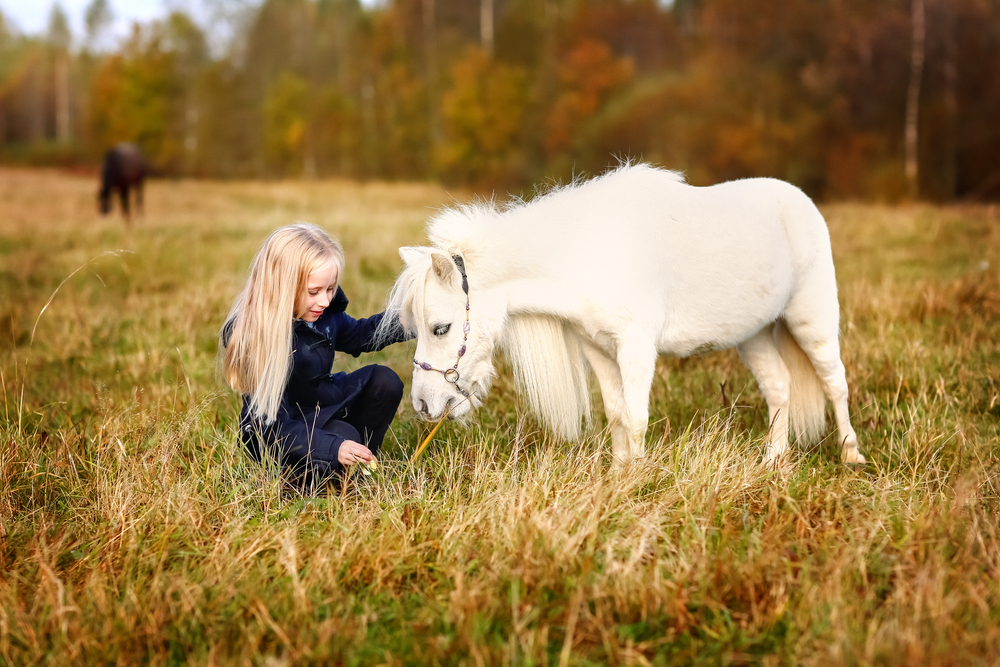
133 530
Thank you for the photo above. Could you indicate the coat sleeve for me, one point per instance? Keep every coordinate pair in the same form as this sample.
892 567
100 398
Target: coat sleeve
357 336
304 442
293 438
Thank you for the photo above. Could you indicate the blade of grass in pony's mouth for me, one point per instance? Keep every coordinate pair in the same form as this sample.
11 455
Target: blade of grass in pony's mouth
423 445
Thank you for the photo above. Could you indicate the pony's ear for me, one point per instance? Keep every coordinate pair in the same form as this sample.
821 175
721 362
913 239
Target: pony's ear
412 254
443 267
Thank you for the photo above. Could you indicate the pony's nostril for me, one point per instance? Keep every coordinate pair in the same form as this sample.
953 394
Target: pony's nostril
423 407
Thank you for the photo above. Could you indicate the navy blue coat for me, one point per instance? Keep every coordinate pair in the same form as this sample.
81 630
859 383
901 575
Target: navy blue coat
314 395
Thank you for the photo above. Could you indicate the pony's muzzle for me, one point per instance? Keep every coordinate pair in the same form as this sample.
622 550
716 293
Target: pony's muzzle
425 413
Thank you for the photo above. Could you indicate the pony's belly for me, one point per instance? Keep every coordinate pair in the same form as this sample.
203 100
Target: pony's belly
692 348
684 338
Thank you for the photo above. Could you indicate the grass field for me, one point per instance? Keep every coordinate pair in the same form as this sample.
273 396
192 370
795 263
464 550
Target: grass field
133 529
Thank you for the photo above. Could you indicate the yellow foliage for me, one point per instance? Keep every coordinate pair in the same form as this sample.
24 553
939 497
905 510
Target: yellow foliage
482 113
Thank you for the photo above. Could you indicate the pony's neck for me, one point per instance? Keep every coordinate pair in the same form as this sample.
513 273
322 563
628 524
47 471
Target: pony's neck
511 288
508 259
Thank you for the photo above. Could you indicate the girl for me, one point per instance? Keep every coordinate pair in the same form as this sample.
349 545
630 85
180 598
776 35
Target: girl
277 347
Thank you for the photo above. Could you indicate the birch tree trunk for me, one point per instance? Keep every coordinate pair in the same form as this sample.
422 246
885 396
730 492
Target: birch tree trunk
911 135
36 103
430 39
950 101
62 93
486 25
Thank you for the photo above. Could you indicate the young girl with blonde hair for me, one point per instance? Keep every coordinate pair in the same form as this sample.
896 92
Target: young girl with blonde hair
277 348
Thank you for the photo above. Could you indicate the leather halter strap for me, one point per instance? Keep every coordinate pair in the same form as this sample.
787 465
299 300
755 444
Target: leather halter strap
451 375
460 263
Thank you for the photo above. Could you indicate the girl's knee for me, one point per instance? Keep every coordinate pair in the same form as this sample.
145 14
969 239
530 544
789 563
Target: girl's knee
385 384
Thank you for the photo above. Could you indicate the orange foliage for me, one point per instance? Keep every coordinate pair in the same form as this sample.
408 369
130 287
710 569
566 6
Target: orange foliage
588 75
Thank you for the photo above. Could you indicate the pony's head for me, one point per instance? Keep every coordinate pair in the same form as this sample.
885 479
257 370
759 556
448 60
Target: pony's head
452 365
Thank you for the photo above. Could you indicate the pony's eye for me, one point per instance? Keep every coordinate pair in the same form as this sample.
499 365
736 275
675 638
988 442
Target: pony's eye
441 329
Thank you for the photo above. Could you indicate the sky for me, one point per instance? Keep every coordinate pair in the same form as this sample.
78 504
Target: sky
32 16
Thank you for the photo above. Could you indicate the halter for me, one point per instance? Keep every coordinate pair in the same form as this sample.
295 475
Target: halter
451 374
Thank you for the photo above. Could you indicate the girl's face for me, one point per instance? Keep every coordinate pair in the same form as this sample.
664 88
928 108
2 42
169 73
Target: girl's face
318 292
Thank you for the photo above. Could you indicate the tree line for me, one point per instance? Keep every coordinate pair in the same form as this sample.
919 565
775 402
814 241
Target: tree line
874 99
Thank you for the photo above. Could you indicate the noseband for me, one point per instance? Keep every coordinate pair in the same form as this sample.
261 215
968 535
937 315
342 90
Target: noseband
451 374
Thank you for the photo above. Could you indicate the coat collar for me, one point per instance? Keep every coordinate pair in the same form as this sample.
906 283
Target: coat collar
337 306
339 303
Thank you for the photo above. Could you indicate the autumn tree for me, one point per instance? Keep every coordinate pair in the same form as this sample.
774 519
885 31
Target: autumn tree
588 76
483 112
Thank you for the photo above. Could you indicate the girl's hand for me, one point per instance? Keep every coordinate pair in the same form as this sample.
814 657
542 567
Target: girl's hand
352 452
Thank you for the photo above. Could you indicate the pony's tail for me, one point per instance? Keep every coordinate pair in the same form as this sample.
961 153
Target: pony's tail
550 370
807 404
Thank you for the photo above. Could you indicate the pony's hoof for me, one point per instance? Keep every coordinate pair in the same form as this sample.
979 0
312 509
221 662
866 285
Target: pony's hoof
627 462
782 465
774 459
853 457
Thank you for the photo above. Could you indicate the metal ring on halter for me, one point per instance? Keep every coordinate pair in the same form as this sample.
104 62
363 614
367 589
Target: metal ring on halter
451 375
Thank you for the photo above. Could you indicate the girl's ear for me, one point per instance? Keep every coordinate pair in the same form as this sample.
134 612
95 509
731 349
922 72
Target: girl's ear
413 254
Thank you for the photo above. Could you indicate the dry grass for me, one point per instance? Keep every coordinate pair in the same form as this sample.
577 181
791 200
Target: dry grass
133 530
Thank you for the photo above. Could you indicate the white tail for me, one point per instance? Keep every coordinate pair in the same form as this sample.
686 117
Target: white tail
807 402
550 371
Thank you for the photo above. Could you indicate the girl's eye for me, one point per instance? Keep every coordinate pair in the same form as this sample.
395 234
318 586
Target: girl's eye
441 329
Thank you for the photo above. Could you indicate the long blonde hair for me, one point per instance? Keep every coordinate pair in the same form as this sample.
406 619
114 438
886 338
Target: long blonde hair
256 340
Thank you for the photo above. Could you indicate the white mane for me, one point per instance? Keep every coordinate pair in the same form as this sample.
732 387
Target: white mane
470 228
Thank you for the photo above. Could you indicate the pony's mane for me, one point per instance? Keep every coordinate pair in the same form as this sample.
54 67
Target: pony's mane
465 228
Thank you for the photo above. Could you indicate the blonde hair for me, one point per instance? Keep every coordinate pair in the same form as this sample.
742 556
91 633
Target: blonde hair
256 340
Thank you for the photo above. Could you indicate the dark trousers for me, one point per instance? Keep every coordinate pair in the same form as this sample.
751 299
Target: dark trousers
368 417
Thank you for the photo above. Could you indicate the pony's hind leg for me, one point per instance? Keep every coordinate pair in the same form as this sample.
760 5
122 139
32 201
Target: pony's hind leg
824 353
761 356
812 316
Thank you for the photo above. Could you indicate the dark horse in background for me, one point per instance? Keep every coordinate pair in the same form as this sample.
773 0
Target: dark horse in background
124 168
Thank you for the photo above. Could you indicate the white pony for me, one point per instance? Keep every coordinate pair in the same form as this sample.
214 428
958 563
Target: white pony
612 272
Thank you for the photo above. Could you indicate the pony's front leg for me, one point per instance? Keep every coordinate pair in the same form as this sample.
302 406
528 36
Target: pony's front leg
636 363
610 380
